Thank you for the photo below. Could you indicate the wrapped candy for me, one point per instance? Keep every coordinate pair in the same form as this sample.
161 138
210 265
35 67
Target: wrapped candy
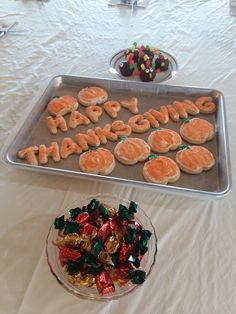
104 283
100 245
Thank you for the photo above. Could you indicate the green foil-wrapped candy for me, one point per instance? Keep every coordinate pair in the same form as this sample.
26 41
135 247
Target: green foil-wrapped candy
59 222
137 276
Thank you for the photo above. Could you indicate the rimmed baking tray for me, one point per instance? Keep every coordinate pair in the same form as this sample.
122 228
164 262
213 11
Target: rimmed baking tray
33 131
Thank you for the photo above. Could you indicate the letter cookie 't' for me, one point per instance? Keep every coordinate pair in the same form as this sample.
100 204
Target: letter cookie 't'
29 153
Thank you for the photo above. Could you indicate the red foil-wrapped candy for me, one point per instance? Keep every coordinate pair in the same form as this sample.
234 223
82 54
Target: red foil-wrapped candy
104 283
124 252
88 229
104 232
83 217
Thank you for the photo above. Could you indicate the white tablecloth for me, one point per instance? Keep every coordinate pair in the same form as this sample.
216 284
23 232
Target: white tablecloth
195 270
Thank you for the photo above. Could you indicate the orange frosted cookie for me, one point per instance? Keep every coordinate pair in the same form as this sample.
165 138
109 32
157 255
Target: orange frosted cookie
173 113
51 151
120 128
139 124
99 161
69 147
92 96
93 112
162 116
77 118
105 134
132 150
130 104
195 159
163 140
29 154
152 120
180 107
62 105
161 170
205 104
112 108
58 123
197 131
86 140
190 107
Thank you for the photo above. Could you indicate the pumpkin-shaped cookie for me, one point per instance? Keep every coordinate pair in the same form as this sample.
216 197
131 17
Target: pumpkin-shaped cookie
197 131
195 159
132 150
92 96
163 140
161 169
62 105
99 161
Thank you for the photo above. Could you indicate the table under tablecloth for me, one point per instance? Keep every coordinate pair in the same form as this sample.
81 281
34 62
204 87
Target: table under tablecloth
195 271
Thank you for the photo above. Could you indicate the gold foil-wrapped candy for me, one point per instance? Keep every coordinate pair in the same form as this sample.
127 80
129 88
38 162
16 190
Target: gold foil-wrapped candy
105 258
82 280
112 245
71 239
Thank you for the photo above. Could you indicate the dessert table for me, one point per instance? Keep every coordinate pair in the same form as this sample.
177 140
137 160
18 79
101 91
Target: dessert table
195 271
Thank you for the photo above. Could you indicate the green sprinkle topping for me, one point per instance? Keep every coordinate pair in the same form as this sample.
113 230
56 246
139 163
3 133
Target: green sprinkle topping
56 97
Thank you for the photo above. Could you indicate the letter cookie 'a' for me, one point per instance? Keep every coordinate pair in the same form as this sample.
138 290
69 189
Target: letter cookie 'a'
69 147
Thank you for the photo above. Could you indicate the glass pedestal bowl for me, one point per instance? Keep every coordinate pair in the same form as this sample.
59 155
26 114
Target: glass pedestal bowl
61 275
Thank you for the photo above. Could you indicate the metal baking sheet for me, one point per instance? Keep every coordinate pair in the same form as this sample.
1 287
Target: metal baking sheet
216 182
